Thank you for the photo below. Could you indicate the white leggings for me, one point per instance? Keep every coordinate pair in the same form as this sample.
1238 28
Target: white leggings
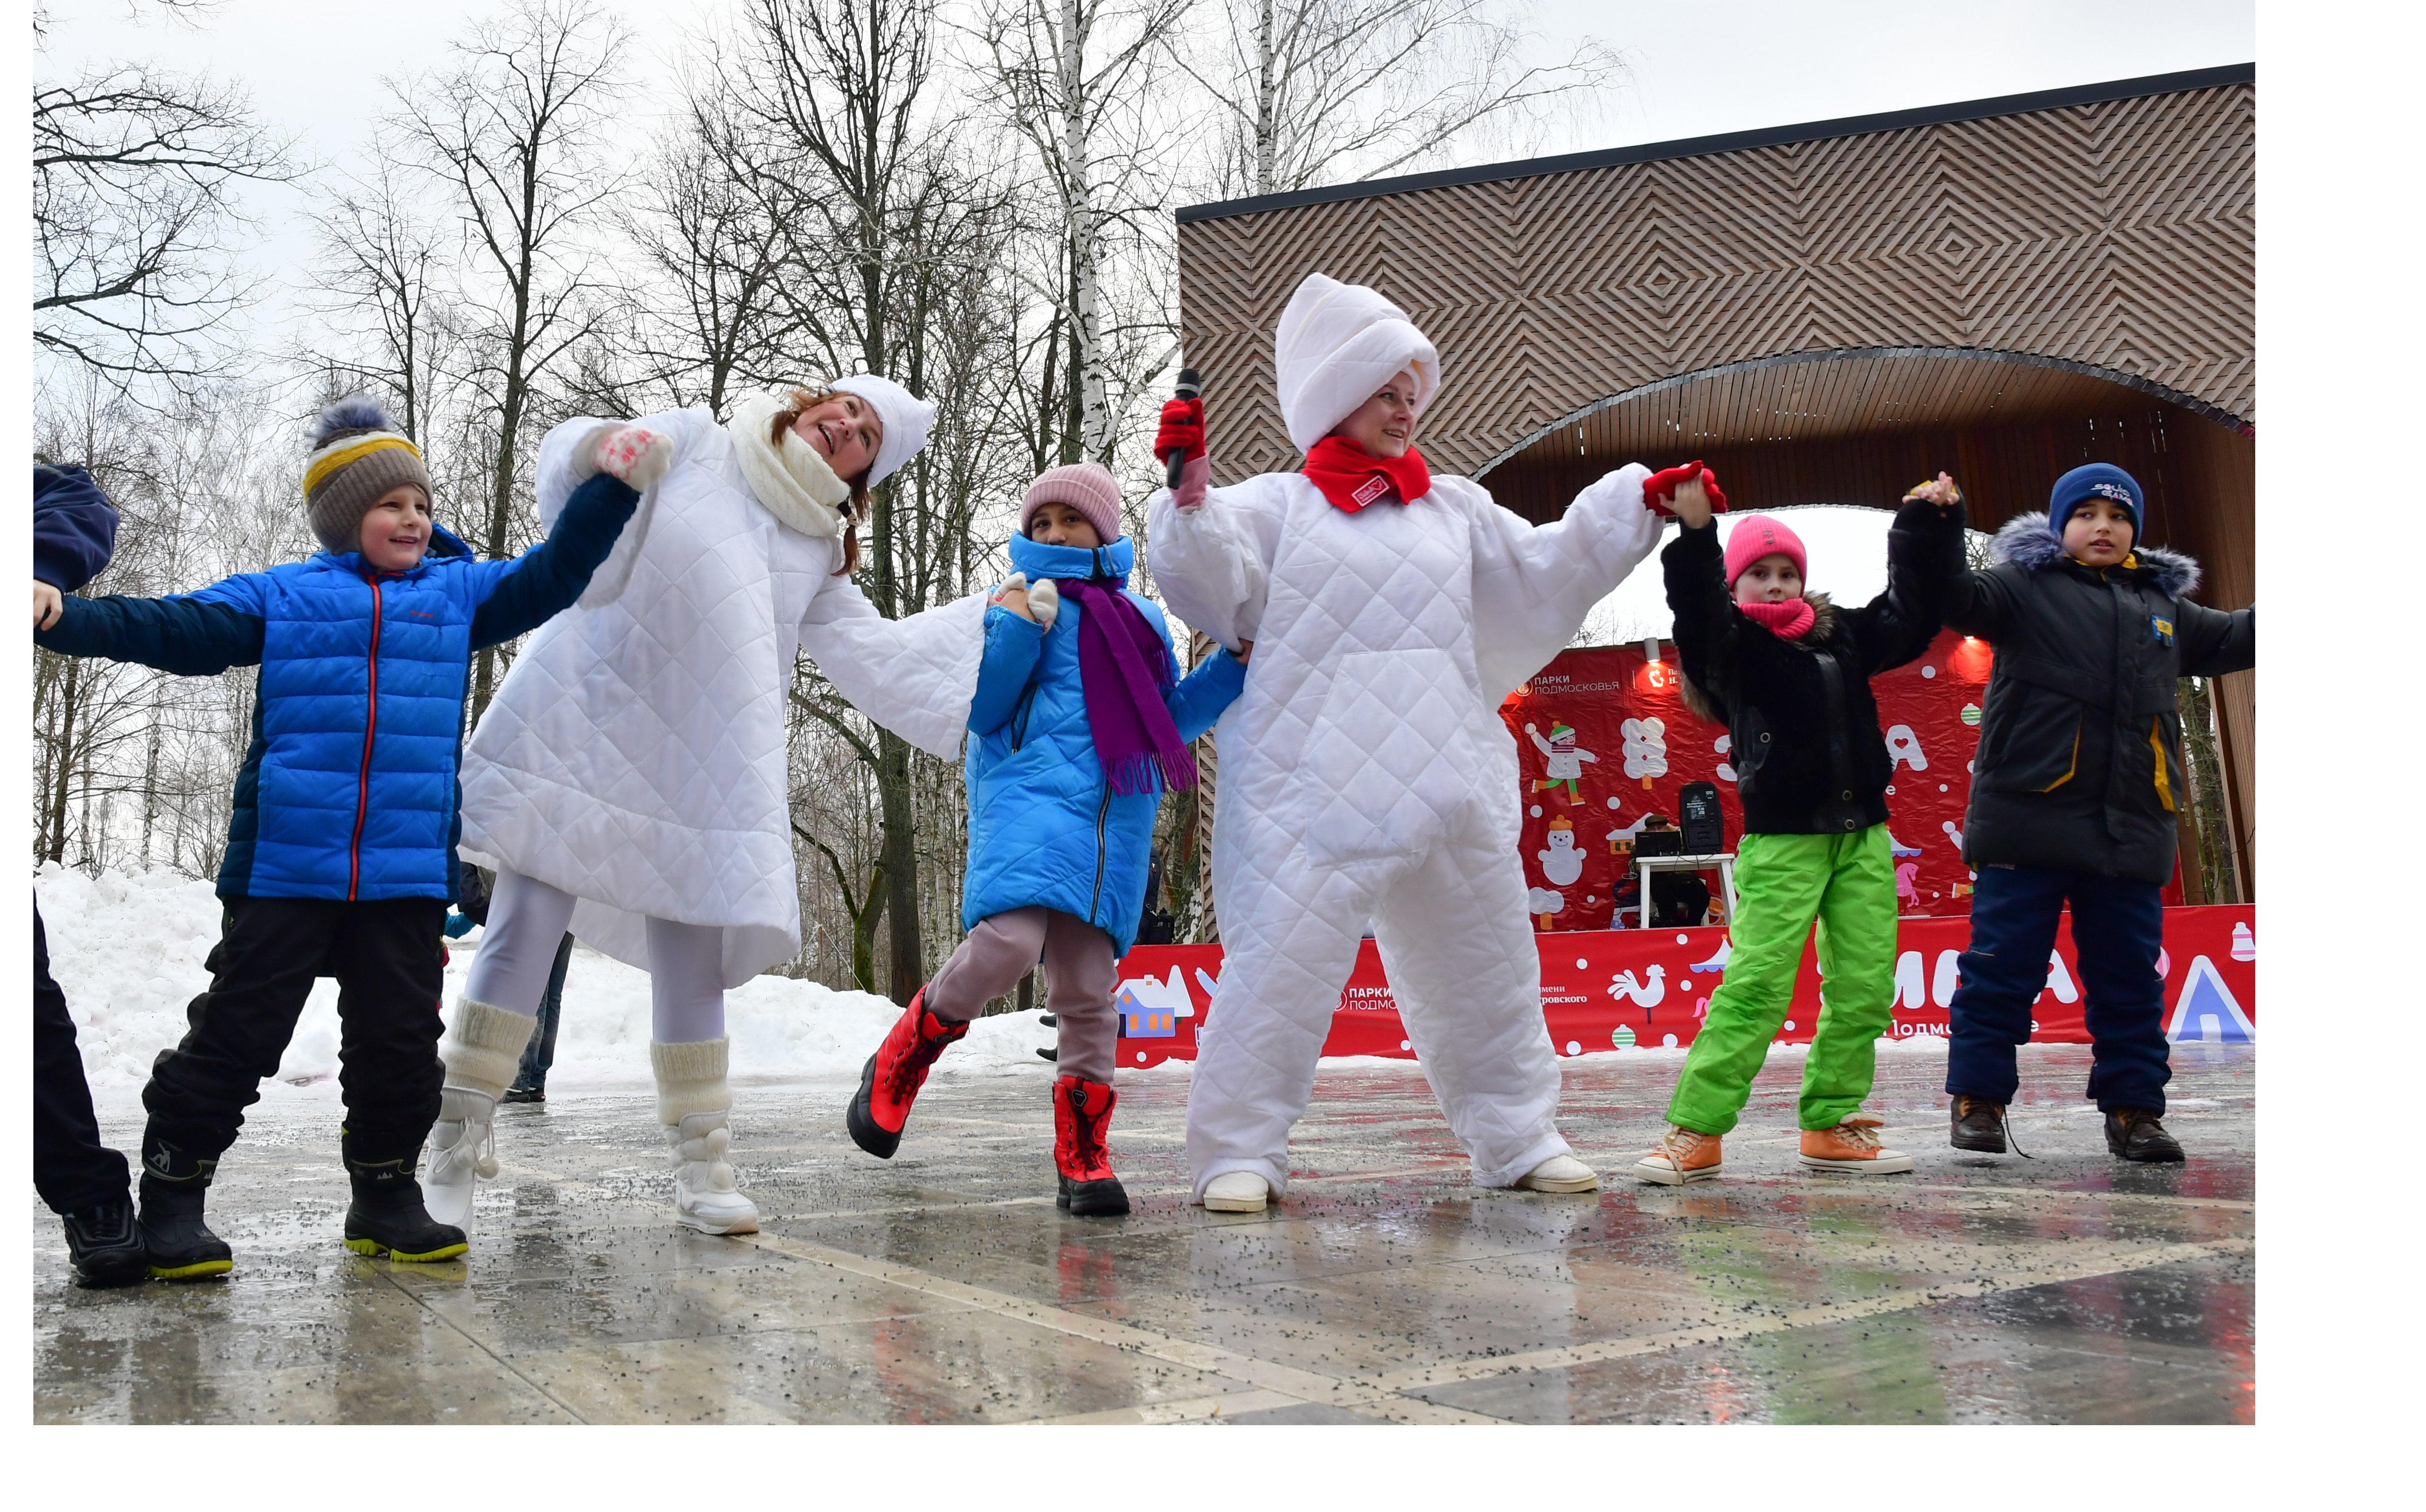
527 920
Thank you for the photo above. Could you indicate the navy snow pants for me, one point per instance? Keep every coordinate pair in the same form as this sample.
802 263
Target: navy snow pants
2117 926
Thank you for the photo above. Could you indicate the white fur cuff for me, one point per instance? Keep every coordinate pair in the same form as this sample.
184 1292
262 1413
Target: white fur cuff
691 1078
483 1047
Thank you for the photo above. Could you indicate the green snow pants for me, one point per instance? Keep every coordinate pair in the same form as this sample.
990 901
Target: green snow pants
1783 882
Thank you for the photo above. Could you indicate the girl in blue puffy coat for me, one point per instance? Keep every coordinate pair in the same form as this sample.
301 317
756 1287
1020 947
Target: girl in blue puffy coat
341 854
1080 721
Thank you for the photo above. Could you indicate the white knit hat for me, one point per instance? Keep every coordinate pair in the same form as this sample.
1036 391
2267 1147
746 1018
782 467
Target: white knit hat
907 419
1337 344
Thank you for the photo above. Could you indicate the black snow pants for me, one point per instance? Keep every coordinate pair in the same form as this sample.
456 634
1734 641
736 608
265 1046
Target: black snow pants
73 1169
386 959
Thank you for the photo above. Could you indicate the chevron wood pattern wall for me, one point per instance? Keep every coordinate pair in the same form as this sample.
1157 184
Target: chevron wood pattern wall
2117 237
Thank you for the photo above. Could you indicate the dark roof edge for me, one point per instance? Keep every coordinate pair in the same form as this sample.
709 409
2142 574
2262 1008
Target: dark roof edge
2010 104
2190 402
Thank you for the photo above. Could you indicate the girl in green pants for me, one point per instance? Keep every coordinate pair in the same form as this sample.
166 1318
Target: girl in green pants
1788 673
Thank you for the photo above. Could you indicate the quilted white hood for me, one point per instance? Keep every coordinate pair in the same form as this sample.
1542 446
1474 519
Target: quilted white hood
1337 344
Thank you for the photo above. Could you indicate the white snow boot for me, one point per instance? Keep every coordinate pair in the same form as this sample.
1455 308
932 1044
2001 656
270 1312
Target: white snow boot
1236 1192
706 1196
1561 1173
694 1104
482 1050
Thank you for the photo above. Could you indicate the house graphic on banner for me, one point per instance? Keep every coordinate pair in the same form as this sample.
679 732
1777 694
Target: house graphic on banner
1151 1010
2208 1010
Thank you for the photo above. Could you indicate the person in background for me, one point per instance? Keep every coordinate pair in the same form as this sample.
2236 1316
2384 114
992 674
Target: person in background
2074 795
340 853
530 1078
78 1177
1788 673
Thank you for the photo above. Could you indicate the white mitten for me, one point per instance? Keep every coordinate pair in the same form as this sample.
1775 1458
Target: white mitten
1043 602
638 458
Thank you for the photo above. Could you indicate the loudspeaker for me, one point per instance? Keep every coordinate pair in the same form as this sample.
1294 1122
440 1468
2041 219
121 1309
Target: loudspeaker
1699 816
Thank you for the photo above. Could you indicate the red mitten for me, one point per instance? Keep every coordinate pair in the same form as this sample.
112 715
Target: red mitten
1182 431
1659 490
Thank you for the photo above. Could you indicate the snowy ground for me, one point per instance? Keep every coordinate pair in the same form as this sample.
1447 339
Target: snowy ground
128 951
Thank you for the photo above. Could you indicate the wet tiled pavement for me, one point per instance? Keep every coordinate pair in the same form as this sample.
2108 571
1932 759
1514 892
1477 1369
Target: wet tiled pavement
944 1286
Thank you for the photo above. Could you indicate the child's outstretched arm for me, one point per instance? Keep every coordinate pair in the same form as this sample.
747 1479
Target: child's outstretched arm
2214 642
1974 603
188 635
1012 643
1196 700
1693 570
1924 546
546 580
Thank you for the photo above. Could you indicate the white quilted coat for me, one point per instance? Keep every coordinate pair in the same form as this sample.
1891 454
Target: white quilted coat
1366 774
635 755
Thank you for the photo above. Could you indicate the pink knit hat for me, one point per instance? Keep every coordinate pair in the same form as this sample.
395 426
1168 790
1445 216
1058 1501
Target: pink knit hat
1758 535
1084 487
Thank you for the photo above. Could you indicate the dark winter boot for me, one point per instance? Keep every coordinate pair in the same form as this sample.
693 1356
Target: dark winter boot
177 1245
890 1081
1082 1116
2135 1134
387 1217
104 1247
1979 1124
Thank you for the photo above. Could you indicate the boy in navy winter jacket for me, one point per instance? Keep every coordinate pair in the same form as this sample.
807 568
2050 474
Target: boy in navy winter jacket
81 1179
340 857
2075 790
1080 722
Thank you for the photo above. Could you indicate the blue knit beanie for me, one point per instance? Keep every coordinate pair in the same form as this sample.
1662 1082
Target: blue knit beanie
2100 480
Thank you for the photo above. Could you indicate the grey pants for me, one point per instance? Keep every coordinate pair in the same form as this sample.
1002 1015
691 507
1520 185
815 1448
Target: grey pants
1080 971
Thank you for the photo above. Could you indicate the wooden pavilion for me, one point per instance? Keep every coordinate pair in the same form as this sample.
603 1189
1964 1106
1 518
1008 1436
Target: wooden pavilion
1826 314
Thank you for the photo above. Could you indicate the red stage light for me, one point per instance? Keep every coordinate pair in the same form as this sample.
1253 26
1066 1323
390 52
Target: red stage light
1972 659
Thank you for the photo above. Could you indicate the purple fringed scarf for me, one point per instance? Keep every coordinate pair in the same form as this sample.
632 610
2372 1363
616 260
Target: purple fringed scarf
1125 670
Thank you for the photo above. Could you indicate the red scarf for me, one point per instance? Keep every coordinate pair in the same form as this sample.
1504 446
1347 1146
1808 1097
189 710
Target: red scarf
1351 478
1786 620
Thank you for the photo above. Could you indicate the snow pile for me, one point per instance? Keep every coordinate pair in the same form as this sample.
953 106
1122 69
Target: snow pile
128 949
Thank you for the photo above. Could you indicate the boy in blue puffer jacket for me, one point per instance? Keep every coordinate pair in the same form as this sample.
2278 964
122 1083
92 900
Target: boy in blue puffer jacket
340 857
1081 721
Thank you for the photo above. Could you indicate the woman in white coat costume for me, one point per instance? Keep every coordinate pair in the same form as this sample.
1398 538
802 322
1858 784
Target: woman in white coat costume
628 781
1365 773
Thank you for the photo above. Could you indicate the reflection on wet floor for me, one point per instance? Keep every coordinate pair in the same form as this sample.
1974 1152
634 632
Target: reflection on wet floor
945 1286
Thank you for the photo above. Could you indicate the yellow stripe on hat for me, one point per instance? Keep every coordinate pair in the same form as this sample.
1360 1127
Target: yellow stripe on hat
328 462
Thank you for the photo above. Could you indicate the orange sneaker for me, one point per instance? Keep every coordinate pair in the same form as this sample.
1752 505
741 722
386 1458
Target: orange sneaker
1852 1145
1680 1156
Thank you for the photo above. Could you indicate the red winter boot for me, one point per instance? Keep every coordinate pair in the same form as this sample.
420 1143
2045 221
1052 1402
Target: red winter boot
1082 1115
891 1080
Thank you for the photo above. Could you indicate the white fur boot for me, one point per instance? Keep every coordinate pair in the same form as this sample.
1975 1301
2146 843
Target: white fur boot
482 1050
694 1104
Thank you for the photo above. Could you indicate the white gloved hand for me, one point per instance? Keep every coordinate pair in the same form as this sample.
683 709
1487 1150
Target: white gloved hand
638 458
1040 603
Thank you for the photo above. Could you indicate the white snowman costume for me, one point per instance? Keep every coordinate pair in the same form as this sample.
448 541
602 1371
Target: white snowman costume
629 782
1365 773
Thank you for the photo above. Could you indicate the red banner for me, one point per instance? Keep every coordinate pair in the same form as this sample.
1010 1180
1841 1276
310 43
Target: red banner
1604 990
1603 741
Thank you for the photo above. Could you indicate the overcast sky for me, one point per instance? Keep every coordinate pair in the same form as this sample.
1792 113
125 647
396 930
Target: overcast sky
317 67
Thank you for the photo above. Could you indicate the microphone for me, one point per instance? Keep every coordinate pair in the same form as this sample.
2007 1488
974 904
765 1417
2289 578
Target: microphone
1191 384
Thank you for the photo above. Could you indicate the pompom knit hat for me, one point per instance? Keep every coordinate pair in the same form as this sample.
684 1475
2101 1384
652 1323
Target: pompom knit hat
1758 535
1335 345
357 456
2100 480
1084 487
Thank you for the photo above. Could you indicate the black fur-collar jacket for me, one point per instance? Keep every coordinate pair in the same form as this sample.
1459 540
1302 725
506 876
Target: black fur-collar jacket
2080 764
1803 734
